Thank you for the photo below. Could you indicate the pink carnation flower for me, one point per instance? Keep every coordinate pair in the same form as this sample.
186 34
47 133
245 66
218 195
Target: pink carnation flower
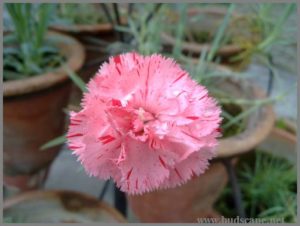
145 123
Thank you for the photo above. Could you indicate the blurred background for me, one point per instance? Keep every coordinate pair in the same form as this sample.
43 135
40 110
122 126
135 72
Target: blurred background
245 54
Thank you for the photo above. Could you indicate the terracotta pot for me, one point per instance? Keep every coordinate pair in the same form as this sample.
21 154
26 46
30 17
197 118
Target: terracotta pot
33 114
195 199
58 207
282 142
186 203
212 18
102 31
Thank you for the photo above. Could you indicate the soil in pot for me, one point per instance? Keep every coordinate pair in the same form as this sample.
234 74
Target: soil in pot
233 110
33 114
202 37
58 207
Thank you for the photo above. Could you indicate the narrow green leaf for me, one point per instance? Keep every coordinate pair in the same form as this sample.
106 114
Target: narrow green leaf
11 61
9 39
122 29
76 79
180 30
220 33
55 142
11 51
201 66
240 117
278 28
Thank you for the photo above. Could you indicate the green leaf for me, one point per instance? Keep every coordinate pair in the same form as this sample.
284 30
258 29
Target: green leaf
122 29
134 30
44 14
11 61
11 51
35 68
220 33
55 142
30 26
240 117
180 30
201 66
278 28
273 210
48 49
9 39
76 79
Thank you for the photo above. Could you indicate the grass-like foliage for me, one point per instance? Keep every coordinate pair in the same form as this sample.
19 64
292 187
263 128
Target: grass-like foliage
26 52
269 188
256 32
144 33
75 13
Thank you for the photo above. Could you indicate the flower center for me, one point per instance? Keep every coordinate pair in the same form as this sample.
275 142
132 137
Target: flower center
142 119
144 116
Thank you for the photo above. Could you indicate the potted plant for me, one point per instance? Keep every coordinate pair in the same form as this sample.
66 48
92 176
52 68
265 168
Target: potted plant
36 88
58 207
81 19
202 24
247 34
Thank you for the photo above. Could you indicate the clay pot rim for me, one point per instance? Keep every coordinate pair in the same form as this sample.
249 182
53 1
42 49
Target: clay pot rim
31 195
230 49
78 28
73 51
265 120
286 138
85 28
292 137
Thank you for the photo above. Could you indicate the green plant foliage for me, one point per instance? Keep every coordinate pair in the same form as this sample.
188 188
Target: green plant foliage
180 30
220 33
52 143
229 112
269 188
206 75
76 79
26 52
281 124
78 13
256 32
146 33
